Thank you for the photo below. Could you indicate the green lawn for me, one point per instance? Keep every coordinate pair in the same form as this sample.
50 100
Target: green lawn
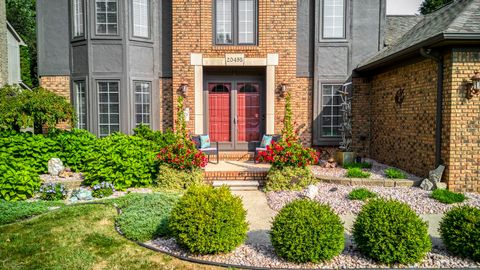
80 237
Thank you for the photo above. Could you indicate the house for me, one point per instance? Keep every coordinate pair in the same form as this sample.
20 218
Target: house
3 45
414 104
124 63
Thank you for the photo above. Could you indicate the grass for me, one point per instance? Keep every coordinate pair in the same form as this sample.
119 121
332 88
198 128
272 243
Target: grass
360 165
393 173
447 196
79 237
361 194
357 173
13 211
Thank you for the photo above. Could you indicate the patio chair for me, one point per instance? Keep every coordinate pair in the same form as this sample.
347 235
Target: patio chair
209 151
275 138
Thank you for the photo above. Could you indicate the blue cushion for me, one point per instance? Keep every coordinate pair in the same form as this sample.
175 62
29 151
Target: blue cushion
266 141
204 141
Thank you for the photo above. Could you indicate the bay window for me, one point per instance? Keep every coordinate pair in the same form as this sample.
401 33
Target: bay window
141 18
108 107
106 14
80 103
78 18
142 103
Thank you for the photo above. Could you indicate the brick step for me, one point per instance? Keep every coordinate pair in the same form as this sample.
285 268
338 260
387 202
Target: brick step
236 156
238 185
236 175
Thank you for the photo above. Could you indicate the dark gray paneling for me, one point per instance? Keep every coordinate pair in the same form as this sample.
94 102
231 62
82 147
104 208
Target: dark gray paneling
107 58
53 37
165 29
332 61
80 59
305 37
141 60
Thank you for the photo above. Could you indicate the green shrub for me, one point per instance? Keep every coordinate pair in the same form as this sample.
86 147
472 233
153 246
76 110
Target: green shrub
161 139
393 173
360 165
74 146
125 161
390 232
174 179
447 196
289 178
460 231
209 221
53 192
357 173
146 216
306 231
361 194
17 181
13 211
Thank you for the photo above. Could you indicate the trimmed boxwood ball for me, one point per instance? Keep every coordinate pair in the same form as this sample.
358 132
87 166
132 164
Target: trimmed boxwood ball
209 221
306 231
460 231
390 232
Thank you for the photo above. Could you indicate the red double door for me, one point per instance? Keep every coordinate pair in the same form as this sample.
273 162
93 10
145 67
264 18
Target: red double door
235 113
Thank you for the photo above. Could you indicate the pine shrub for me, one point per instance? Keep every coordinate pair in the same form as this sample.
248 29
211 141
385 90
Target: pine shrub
289 178
447 196
174 179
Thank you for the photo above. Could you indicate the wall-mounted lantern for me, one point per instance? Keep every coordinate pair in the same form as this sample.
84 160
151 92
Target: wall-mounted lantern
283 89
473 88
184 87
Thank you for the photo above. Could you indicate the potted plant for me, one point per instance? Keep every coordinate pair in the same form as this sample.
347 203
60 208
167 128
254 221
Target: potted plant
346 155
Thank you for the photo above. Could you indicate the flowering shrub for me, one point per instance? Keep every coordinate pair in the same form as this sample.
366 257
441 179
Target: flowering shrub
285 153
102 190
53 192
182 156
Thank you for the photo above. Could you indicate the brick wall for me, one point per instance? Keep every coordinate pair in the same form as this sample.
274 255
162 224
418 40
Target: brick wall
60 85
166 97
3 45
193 33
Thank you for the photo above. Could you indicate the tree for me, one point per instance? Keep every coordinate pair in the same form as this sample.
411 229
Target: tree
429 6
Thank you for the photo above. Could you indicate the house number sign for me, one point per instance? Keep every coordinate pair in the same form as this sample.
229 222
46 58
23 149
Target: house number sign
234 59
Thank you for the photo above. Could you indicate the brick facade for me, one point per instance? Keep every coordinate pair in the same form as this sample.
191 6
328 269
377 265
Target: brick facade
60 85
166 97
403 134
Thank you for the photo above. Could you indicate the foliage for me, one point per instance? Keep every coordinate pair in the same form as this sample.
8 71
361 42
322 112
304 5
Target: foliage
429 6
460 231
147 217
393 173
53 192
209 221
75 145
289 178
25 66
361 194
173 179
357 173
306 231
103 190
161 139
126 161
17 181
14 211
447 196
288 131
360 165
391 232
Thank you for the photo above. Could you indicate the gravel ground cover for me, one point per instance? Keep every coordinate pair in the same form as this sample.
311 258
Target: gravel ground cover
336 197
263 255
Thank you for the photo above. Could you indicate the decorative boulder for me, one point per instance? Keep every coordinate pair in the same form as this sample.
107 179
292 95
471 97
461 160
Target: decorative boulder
55 166
81 194
311 192
435 176
427 185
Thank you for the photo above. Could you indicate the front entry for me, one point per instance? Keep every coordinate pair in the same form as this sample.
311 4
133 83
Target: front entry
235 113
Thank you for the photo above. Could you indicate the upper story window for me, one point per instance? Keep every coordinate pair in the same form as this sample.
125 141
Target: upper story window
235 22
106 12
333 19
78 21
141 18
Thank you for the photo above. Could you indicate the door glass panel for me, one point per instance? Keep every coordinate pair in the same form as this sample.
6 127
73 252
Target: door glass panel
219 112
248 111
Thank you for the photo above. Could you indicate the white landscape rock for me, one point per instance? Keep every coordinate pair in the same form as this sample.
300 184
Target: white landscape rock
55 166
427 185
311 192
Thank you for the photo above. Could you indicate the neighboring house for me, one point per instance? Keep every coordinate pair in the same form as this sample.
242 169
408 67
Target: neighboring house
14 69
3 45
124 63
411 104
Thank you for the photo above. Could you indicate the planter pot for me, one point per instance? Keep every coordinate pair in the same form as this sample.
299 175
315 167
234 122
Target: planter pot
345 157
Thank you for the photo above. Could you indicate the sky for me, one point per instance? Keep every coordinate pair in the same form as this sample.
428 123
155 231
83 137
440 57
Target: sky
403 7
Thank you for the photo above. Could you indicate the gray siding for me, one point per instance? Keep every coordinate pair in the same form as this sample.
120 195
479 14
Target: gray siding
165 35
14 74
3 45
53 37
305 37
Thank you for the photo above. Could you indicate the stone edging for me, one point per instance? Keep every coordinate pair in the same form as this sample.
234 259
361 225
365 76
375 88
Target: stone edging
368 181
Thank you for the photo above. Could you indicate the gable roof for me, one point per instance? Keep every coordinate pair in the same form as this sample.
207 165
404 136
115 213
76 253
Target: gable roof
15 34
459 20
398 25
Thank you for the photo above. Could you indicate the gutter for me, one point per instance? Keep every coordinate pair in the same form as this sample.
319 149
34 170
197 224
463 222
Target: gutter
438 58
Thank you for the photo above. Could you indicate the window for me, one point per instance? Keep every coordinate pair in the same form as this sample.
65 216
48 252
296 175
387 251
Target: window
333 19
235 22
141 18
78 23
108 108
107 17
331 110
80 102
142 103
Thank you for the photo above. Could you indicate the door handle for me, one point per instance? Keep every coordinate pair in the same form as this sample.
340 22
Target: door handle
235 120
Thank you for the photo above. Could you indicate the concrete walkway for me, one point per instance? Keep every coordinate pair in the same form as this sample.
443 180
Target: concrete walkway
260 216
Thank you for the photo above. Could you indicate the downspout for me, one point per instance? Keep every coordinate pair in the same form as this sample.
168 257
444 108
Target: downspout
437 57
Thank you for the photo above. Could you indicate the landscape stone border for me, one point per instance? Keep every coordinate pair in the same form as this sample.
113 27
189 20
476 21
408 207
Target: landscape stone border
406 183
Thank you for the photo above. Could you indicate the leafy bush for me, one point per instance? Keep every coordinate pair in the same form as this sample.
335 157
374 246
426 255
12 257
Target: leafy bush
289 178
447 196
161 139
306 231
17 181
460 231
361 194
209 221
360 165
13 211
53 192
103 190
390 232
125 161
145 217
393 173
75 146
173 179
357 173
